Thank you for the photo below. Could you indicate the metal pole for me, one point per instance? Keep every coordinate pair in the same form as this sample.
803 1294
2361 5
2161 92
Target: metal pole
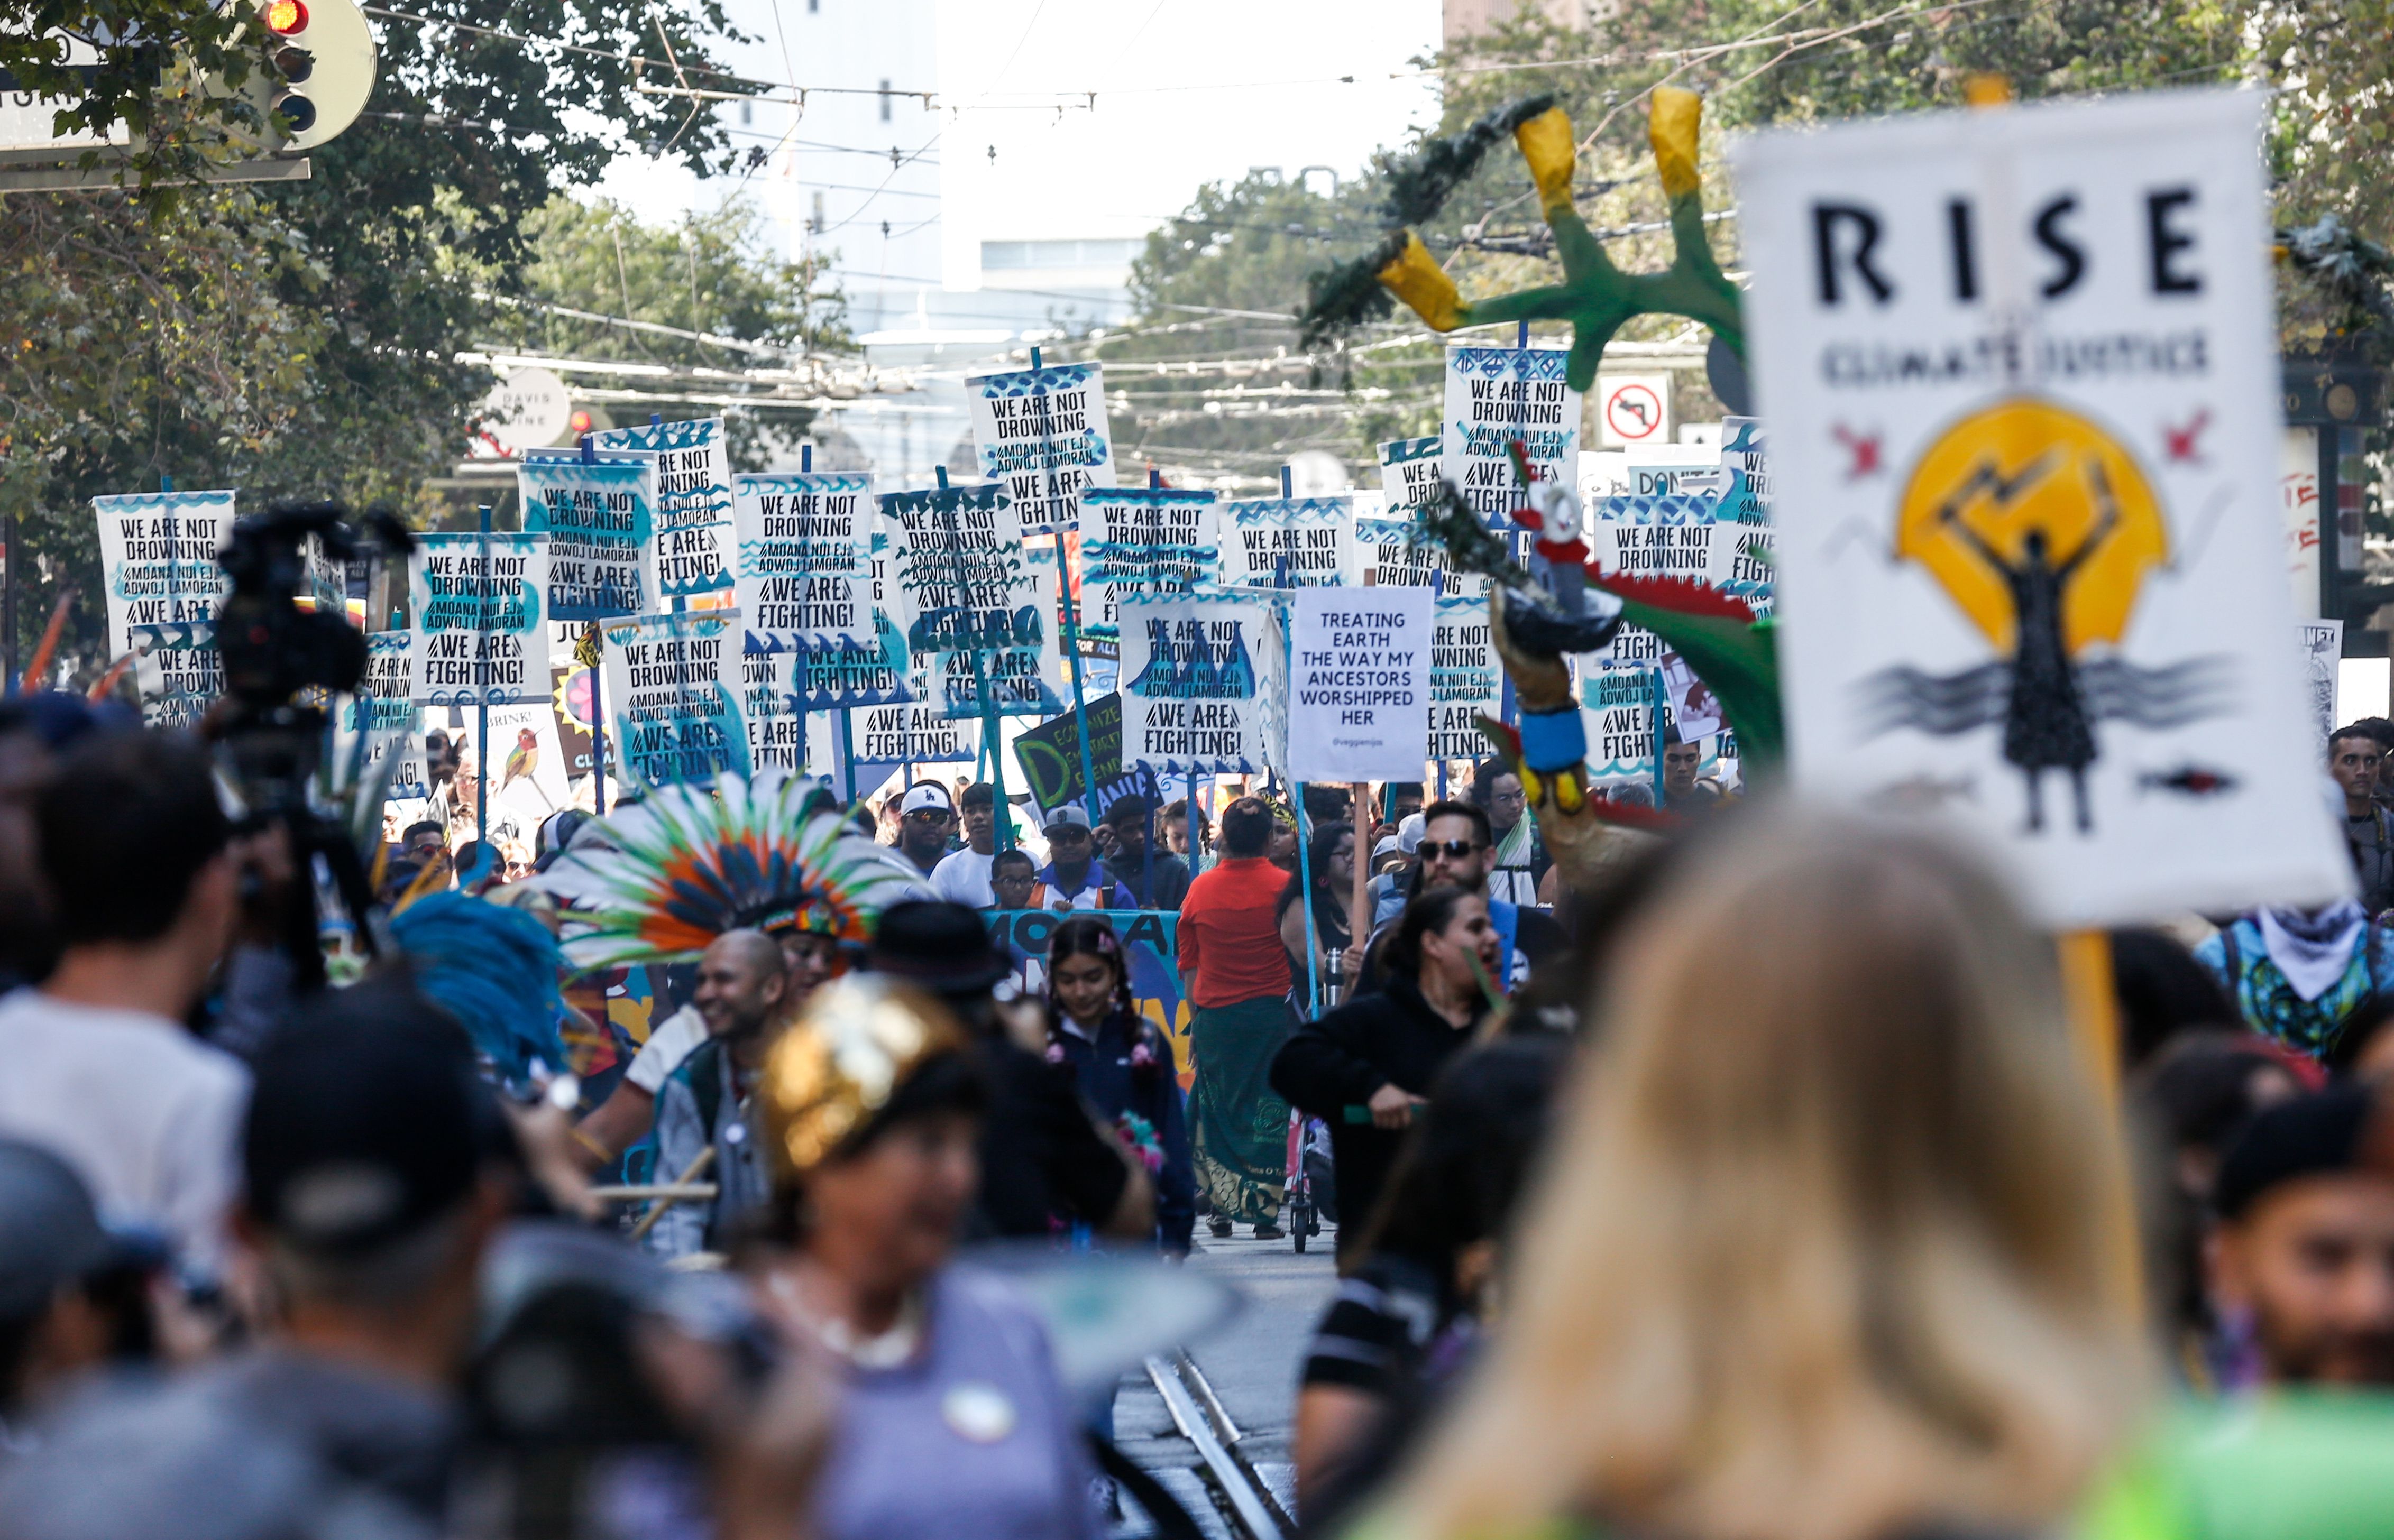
8 607
482 687
597 667
1305 875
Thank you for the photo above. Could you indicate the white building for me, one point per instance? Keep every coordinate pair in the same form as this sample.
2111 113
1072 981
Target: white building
982 171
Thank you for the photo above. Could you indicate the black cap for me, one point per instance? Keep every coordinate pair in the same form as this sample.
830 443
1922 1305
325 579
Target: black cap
363 1119
2309 1136
50 1234
943 947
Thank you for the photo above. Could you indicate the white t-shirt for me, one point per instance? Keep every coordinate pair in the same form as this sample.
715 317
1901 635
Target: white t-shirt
962 878
147 1114
667 1046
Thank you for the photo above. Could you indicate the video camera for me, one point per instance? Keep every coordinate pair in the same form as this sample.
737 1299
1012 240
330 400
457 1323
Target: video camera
270 743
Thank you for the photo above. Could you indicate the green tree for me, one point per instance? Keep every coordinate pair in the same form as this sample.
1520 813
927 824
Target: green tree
708 293
301 338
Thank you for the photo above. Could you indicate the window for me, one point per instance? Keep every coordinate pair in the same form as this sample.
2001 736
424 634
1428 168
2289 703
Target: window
747 113
816 223
814 5
885 101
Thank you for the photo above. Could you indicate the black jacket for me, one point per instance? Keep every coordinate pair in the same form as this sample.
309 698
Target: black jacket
1389 1037
1114 1079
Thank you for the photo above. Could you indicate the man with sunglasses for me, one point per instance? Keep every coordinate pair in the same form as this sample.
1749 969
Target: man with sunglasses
1458 850
925 817
1075 878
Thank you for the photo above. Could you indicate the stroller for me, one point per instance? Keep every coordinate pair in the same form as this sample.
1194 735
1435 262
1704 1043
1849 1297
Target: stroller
1313 1184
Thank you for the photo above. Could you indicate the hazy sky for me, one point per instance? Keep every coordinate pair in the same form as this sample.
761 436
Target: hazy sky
1188 91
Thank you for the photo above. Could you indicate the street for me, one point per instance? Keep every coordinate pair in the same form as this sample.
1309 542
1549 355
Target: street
1252 1363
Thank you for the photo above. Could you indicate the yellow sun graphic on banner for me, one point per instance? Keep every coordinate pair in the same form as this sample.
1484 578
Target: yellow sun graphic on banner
2027 486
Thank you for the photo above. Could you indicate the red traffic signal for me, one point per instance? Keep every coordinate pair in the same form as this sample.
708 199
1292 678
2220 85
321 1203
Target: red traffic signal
579 424
283 18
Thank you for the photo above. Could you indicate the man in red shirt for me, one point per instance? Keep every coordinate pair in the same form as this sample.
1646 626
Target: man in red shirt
1234 973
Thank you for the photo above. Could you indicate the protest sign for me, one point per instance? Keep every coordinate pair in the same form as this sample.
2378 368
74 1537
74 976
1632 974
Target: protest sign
158 559
673 697
805 561
1149 940
176 671
384 712
526 775
1051 757
1411 471
1654 537
569 704
1494 397
912 733
1359 675
1042 433
1392 558
768 705
1143 539
2322 651
1742 562
695 538
1669 470
975 607
1466 680
1201 686
1620 711
2020 375
1290 542
478 602
600 517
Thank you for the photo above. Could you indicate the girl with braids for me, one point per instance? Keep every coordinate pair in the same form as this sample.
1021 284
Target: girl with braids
1122 1064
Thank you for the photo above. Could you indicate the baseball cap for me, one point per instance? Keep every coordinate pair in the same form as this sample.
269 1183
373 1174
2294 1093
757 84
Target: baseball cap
1389 844
363 1124
943 947
1409 831
927 795
2321 1134
1071 813
50 1234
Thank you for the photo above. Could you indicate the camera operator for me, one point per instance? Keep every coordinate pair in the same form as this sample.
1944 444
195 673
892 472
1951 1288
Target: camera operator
134 850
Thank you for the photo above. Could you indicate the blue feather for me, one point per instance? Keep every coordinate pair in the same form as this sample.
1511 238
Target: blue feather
493 968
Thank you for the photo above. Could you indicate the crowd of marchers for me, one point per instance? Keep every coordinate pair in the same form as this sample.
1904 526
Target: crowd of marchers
1759 1191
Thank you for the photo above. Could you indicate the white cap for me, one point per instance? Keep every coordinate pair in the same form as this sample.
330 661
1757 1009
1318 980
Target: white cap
927 794
1409 832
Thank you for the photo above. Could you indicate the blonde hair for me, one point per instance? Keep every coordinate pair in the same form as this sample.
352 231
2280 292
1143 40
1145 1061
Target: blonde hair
1836 1236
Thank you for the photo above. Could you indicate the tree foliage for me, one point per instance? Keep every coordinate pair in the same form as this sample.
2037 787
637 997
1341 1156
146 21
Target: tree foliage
302 338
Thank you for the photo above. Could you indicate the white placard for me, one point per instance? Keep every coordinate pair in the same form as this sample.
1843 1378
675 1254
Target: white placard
1358 684
1290 542
2322 644
977 606
1495 396
2020 375
600 515
384 709
177 672
694 537
158 559
477 604
805 561
1142 540
1042 432
674 684
1199 679
1466 680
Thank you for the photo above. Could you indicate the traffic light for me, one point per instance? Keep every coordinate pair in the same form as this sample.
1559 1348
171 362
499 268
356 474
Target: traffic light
318 72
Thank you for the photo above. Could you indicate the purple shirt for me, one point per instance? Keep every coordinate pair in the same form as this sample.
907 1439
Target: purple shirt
971 1440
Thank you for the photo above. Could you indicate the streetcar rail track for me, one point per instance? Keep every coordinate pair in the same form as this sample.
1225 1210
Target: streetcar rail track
1244 1499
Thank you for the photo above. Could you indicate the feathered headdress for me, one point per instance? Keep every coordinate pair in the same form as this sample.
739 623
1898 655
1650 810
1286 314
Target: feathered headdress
492 969
686 865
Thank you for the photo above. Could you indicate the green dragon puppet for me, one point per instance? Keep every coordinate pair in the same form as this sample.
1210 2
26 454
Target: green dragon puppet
1571 606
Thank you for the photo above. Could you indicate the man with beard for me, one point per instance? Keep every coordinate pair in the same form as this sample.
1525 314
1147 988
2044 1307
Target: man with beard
2306 1242
743 983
